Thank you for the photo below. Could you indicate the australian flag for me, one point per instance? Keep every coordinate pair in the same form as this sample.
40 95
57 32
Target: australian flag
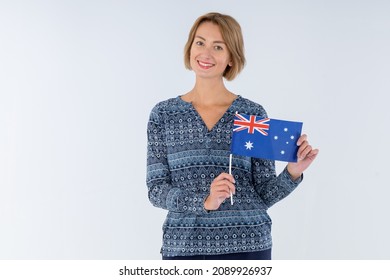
266 138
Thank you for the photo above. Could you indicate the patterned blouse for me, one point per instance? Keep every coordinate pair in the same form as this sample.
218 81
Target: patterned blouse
184 157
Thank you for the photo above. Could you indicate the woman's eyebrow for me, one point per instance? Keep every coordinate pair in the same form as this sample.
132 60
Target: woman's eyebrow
218 42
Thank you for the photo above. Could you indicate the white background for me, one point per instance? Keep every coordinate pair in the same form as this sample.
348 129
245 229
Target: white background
79 78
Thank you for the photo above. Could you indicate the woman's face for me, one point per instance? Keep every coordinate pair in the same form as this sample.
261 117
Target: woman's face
209 54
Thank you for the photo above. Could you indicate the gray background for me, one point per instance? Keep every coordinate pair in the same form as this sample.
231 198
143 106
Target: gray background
79 78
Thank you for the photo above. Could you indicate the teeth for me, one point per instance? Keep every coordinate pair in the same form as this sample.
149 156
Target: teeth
205 64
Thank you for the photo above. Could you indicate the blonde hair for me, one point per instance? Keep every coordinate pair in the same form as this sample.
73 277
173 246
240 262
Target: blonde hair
231 34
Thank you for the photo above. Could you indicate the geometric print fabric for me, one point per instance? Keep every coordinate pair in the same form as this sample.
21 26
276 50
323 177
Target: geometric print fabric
183 159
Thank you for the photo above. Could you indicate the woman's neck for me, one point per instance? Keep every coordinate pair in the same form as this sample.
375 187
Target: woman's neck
209 92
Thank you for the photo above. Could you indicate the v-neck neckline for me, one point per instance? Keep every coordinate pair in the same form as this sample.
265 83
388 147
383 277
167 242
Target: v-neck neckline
229 110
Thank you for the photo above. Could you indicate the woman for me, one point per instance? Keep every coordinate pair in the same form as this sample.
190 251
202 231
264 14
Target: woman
189 141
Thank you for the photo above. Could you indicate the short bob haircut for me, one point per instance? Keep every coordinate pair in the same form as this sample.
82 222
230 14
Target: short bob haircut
231 34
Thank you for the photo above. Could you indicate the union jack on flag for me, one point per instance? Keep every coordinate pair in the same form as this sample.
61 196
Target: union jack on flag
259 137
251 124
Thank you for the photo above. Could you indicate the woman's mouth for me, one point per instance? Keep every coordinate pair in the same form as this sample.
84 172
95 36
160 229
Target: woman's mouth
205 65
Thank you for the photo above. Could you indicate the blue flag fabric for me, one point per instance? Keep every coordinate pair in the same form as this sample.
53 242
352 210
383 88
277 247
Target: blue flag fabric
267 138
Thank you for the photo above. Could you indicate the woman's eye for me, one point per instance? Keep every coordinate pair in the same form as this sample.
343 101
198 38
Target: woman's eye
218 48
199 43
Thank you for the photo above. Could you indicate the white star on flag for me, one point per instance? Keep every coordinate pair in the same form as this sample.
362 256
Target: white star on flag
248 145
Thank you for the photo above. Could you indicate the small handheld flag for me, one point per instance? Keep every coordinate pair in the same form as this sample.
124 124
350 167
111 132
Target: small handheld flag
266 138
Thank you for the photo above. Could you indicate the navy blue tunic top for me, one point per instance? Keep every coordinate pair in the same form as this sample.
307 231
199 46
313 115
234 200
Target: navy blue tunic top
184 157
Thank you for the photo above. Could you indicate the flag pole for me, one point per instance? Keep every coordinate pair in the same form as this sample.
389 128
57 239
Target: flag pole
230 172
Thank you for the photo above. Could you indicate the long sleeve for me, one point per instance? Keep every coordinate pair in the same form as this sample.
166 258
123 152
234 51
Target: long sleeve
271 188
161 191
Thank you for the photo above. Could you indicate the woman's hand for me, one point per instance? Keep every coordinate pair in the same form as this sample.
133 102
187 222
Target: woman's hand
220 189
306 155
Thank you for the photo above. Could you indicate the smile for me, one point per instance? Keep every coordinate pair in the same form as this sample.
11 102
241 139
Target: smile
205 65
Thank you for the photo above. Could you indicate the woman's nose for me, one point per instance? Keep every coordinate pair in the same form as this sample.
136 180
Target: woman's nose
207 51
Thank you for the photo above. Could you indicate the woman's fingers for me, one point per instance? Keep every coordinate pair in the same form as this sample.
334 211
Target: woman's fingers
221 188
225 176
223 185
302 139
305 149
226 181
